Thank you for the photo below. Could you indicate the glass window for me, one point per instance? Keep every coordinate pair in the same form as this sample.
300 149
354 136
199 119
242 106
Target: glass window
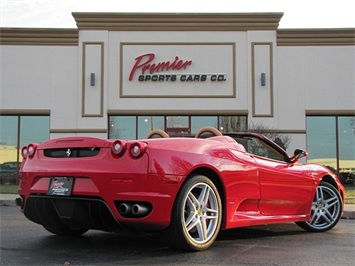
177 122
33 129
15 132
321 140
122 127
149 123
198 122
346 136
138 127
232 123
8 130
331 142
178 126
8 139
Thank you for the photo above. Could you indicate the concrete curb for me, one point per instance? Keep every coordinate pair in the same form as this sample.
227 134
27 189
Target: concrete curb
348 214
9 200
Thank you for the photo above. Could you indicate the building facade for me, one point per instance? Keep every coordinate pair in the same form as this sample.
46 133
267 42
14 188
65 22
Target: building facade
121 75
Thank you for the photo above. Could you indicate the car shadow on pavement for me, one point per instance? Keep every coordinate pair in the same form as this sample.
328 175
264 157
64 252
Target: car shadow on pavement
133 248
261 231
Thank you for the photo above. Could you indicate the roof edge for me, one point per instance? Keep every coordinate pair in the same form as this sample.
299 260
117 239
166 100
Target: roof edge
177 21
316 37
39 36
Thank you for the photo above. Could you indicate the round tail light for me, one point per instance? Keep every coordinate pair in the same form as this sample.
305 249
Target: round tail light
31 150
24 152
119 147
137 149
28 151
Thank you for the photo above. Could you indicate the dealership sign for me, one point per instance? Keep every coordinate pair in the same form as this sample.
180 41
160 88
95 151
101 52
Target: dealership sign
177 70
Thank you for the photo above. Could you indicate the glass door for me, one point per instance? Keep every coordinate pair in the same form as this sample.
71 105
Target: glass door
178 126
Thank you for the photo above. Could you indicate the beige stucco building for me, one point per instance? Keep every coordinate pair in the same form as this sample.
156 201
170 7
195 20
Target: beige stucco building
120 75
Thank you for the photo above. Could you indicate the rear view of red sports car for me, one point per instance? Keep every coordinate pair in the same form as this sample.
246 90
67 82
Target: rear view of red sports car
185 189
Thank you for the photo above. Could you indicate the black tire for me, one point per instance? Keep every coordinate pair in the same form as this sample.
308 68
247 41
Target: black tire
196 216
326 209
64 231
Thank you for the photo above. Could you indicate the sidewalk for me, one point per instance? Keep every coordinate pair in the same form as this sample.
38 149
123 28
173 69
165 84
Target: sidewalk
9 200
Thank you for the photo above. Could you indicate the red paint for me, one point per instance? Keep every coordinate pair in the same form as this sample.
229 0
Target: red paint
255 190
145 63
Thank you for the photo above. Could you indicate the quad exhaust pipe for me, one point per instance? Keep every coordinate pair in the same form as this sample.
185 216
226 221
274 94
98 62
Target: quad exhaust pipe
138 209
134 210
125 209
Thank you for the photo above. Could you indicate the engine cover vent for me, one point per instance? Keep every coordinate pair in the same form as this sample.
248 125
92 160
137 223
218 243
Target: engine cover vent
71 152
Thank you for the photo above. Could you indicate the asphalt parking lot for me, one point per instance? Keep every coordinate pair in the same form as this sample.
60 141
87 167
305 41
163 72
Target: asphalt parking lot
23 242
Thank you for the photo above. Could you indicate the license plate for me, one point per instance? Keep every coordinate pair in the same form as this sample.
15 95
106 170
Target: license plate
60 186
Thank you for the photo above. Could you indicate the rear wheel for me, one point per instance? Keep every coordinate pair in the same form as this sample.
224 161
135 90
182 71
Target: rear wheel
326 209
64 231
196 216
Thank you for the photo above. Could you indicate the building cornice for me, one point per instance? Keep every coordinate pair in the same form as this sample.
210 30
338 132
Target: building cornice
177 21
175 112
25 111
39 36
315 37
330 112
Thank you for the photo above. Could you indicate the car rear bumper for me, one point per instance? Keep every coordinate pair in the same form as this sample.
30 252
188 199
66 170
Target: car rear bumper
97 202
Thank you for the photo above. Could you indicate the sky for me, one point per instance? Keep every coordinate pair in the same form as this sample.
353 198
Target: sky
297 13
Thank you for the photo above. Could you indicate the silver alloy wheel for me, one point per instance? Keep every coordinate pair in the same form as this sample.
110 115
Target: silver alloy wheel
201 213
326 208
196 217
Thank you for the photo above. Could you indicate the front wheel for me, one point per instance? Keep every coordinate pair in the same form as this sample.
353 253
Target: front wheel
326 209
196 216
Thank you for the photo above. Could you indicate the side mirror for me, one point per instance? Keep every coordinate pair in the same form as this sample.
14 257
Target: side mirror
298 154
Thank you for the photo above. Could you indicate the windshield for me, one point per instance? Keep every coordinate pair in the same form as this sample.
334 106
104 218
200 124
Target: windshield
259 147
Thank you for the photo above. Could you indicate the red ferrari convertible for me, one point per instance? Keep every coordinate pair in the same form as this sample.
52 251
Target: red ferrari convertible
185 189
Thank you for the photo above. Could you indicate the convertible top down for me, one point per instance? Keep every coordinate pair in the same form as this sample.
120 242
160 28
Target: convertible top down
185 189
